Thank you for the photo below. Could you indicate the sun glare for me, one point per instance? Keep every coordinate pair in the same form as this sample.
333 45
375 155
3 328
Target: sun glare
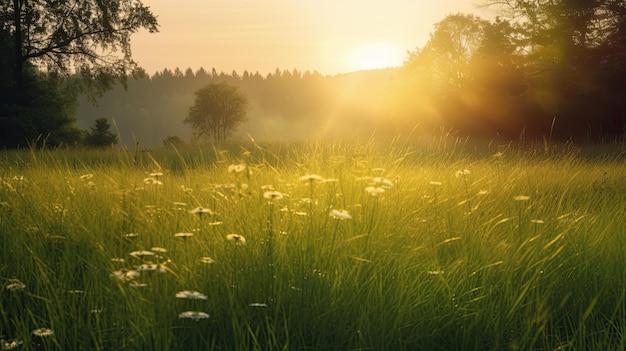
374 56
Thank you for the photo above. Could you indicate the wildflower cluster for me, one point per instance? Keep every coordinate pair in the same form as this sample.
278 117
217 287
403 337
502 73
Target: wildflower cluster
378 185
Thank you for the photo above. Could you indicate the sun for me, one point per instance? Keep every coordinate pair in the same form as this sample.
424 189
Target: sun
375 56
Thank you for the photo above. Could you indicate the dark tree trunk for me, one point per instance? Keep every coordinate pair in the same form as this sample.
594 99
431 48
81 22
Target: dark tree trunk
17 69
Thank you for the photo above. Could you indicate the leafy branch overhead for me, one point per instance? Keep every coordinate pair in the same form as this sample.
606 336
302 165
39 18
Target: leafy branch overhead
91 37
51 51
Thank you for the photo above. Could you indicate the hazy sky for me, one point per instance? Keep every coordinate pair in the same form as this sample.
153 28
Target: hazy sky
330 36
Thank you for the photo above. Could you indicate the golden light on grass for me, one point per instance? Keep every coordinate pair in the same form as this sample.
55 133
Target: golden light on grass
398 256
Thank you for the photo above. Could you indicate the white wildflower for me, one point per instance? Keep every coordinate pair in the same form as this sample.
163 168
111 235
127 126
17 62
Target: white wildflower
462 173
195 315
201 211
43 332
238 239
207 260
191 295
141 253
340 214
10 344
15 285
236 168
273 195
374 191
311 178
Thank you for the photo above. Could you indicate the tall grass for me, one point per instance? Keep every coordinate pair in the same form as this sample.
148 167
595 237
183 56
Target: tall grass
523 249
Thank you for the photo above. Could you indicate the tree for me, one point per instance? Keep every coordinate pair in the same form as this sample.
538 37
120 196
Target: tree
50 51
468 73
565 31
43 110
173 141
451 47
99 135
465 50
91 37
218 109
575 60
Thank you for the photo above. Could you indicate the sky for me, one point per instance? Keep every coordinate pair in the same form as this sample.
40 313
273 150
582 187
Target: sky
328 36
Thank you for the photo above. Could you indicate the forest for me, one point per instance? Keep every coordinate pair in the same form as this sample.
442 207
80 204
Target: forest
287 105
543 70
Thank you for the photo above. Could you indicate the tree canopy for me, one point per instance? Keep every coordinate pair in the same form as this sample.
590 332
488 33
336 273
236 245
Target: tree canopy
91 37
542 61
99 136
218 109
81 46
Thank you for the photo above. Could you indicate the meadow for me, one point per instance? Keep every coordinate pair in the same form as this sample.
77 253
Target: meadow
363 245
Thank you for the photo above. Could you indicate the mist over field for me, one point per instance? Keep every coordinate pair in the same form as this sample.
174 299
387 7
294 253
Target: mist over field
288 105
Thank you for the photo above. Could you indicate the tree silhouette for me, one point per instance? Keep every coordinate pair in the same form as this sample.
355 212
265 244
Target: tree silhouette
92 36
574 59
99 135
219 108
61 49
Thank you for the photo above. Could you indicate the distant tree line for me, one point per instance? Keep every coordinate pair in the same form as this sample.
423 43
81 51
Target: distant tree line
155 107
